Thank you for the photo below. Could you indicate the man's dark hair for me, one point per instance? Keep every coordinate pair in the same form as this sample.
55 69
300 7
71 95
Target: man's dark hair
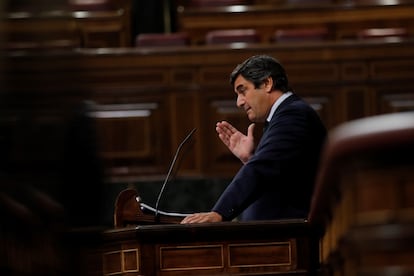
258 68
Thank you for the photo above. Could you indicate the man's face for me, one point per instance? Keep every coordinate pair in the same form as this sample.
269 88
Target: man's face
254 101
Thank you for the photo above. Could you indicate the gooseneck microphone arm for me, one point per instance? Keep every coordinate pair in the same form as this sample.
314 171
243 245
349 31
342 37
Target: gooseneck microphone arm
170 170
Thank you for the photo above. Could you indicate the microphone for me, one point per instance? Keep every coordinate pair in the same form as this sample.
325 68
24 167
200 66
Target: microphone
170 170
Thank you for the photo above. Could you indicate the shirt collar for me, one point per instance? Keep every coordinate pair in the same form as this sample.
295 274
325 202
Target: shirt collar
277 103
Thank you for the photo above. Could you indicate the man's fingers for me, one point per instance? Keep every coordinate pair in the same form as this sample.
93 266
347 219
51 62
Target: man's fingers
225 139
250 130
194 218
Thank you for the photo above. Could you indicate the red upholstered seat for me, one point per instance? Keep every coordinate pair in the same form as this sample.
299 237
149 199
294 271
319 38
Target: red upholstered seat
215 3
91 5
305 34
232 36
382 32
162 39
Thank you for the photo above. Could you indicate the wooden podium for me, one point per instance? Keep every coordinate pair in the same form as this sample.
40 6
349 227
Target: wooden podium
137 246
128 211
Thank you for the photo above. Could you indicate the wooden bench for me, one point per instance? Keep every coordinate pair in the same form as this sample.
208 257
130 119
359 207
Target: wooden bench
364 197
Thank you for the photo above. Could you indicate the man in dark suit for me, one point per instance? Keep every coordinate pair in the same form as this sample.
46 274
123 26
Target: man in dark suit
277 177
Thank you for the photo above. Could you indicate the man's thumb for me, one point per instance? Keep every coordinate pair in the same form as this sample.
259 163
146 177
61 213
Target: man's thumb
250 130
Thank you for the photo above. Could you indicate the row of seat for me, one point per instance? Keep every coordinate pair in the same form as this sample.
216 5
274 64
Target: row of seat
252 36
72 5
213 3
91 5
223 3
180 38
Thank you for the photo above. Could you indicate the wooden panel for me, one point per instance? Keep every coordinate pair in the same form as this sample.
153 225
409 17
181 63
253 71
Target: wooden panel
378 199
112 262
354 70
216 75
127 76
122 259
326 100
118 143
358 102
398 98
389 201
184 76
196 257
130 138
313 72
218 158
184 117
324 106
131 260
395 69
271 254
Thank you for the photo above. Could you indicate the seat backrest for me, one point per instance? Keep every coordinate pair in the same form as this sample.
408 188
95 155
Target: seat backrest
232 36
382 33
162 39
302 34
215 3
91 5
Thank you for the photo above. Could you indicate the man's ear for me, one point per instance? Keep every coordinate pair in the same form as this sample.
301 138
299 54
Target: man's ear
268 84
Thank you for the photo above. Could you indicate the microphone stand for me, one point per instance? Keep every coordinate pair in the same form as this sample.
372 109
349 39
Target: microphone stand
156 216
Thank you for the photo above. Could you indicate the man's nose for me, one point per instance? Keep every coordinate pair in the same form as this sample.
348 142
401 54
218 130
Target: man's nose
240 101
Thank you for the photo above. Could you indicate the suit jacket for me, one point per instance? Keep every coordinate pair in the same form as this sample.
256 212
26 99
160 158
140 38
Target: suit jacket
278 180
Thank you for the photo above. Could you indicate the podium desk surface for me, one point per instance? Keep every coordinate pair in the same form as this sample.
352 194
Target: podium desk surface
234 229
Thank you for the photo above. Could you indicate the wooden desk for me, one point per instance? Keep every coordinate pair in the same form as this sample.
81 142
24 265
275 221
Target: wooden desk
228 248
342 19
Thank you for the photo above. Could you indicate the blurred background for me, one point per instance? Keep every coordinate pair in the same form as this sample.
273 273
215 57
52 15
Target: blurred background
96 96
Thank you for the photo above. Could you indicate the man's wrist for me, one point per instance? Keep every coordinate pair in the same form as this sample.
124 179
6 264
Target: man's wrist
219 217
